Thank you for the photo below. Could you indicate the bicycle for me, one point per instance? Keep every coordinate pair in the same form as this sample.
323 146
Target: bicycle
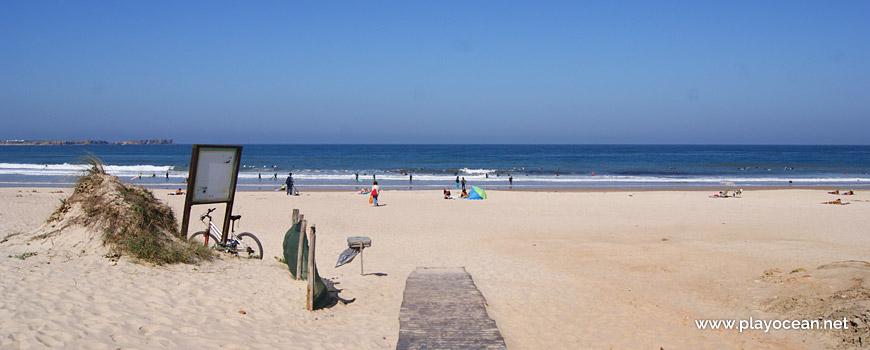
248 243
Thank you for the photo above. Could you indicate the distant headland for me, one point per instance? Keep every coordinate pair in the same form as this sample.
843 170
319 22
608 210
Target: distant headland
85 142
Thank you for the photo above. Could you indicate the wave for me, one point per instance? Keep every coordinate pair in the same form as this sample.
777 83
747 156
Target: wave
12 172
449 178
67 169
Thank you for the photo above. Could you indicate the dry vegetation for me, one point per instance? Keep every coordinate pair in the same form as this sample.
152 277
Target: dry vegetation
132 221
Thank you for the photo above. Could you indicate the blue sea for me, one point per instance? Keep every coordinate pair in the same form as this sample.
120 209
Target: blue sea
437 166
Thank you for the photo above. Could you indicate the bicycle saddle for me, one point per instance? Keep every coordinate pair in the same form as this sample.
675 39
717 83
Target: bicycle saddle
235 217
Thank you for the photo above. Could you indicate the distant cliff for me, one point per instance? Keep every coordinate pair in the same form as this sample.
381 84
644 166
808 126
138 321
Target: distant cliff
86 142
147 142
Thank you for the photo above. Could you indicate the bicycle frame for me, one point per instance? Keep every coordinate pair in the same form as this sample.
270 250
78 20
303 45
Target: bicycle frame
217 232
231 237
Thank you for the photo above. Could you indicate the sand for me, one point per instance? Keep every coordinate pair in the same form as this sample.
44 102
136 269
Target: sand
561 270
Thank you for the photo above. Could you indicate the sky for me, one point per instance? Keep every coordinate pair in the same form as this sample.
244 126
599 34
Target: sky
516 72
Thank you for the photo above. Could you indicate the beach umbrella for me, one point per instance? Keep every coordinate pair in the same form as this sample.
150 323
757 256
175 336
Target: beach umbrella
477 193
347 256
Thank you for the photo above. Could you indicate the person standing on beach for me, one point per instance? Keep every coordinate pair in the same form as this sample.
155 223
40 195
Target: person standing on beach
510 179
289 183
376 190
356 176
457 182
410 179
260 176
463 183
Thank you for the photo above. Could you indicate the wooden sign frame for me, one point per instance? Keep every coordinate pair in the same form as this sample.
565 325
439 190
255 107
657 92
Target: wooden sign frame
213 174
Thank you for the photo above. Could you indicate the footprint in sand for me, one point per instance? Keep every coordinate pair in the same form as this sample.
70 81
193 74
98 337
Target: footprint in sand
189 331
161 320
49 341
161 341
120 338
149 329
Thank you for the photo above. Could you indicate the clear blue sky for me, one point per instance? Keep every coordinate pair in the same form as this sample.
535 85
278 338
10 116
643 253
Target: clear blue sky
794 72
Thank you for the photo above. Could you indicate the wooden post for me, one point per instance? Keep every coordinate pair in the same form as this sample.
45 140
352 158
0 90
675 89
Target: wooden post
295 217
188 195
311 270
299 261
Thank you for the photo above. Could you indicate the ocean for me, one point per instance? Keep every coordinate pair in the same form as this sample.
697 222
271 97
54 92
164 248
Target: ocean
264 167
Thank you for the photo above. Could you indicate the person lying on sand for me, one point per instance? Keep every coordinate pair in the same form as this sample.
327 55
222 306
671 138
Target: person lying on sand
849 193
364 190
177 192
834 192
837 202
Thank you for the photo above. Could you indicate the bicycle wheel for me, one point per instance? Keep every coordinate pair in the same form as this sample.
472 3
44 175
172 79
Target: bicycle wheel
199 238
249 246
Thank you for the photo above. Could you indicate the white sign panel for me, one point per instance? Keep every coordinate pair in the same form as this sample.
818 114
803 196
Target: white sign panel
214 174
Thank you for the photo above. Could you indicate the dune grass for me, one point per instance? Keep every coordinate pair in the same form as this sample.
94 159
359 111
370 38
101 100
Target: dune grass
132 221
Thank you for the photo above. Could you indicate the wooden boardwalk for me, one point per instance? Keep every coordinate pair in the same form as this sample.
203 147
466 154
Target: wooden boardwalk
442 309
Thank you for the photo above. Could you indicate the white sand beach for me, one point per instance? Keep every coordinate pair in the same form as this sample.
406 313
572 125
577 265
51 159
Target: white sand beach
559 270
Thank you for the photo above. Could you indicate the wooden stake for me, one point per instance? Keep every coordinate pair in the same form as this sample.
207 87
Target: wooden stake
295 217
299 261
311 270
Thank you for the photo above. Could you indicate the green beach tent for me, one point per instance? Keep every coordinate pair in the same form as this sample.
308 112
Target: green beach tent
477 193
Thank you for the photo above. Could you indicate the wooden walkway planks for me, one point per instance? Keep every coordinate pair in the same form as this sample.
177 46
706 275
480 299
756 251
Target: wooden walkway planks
443 309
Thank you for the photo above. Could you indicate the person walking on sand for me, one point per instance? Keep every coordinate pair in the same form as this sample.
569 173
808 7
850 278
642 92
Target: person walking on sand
463 183
376 190
289 183
457 182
